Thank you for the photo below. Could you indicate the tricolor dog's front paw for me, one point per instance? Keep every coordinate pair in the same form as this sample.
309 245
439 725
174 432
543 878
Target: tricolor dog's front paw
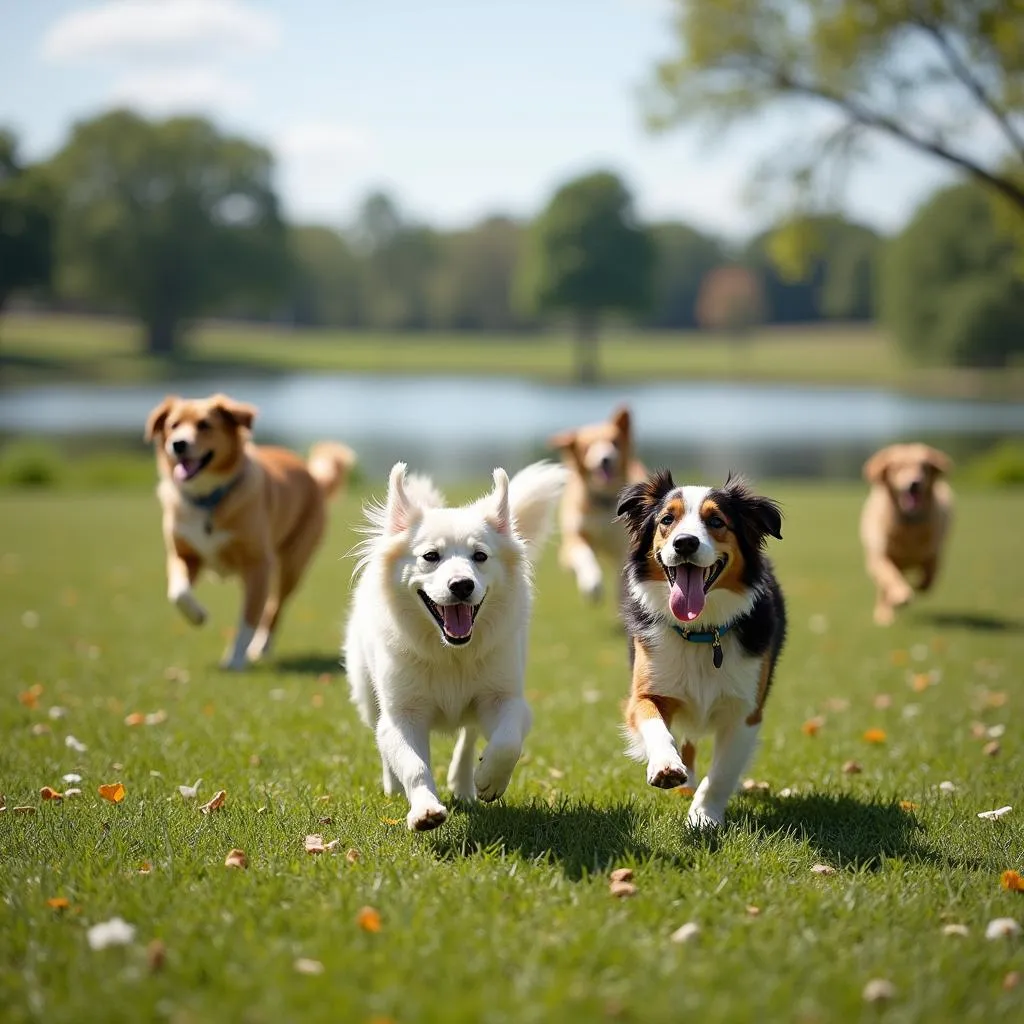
667 774
423 817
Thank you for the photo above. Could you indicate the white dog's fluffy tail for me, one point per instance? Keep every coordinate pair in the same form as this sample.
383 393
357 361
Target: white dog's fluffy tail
533 494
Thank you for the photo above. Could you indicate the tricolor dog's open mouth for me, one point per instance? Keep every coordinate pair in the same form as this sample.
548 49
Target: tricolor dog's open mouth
455 620
688 586
187 468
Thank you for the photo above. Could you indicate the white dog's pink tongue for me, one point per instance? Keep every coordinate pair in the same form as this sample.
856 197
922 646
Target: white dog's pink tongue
687 597
458 619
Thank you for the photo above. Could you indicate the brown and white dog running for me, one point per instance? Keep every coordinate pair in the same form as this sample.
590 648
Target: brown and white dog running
238 509
905 520
601 462
707 621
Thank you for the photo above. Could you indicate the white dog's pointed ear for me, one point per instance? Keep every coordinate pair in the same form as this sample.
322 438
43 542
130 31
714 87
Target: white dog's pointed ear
502 515
398 514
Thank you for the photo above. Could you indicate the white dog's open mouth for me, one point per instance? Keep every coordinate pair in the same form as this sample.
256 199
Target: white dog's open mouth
186 468
455 620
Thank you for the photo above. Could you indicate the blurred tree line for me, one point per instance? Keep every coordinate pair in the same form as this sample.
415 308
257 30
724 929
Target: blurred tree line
171 221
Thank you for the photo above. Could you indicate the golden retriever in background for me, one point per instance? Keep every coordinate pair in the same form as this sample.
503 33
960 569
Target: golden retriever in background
600 461
905 521
238 509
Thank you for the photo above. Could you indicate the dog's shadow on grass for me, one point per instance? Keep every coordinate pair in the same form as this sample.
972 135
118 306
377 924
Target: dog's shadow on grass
313 663
576 836
976 622
844 832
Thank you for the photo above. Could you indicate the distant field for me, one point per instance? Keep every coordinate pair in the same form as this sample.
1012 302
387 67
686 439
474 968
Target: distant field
503 915
51 348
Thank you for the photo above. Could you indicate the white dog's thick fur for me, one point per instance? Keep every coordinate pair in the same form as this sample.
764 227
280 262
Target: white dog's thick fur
437 634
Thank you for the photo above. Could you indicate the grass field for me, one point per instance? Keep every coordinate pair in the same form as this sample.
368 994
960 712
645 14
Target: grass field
503 914
51 348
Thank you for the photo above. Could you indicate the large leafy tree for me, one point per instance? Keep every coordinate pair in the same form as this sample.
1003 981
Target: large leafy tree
325 278
684 257
26 224
168 220
586 255
951 291
920 71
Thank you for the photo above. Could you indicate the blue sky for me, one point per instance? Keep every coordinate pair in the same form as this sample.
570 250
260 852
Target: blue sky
460 108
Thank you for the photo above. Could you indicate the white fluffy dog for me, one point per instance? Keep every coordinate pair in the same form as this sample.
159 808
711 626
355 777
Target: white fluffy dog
437 634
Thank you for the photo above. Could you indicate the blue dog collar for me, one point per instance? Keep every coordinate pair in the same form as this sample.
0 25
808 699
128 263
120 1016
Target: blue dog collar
209 502
711 636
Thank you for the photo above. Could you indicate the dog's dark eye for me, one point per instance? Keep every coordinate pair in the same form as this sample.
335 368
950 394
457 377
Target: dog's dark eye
716 522
430 556
203 425
668 519
479 556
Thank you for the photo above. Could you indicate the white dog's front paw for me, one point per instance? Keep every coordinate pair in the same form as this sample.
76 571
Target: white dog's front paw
186 603
423 817
462 786
591 585
701 816
667 773
494 772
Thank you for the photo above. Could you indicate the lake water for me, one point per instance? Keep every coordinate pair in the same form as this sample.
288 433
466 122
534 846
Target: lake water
456 427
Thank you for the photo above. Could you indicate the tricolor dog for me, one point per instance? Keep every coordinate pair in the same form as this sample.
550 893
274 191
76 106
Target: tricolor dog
238 509
707 622
437 635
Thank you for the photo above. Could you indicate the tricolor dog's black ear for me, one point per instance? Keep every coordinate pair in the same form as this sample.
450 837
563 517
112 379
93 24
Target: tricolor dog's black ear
753 510
638 501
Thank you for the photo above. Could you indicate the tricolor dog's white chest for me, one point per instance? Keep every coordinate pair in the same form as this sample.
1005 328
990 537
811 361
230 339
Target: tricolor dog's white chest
685 670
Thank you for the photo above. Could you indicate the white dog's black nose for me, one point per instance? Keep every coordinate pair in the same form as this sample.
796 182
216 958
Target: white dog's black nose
685 544
461 587
180 447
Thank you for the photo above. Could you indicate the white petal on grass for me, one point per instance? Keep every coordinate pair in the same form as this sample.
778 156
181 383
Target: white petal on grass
71 777
75 744
1002 928
686 932
189 792
996 731
57 712
956 929
115 932
997 813
306 966
879 990
947 786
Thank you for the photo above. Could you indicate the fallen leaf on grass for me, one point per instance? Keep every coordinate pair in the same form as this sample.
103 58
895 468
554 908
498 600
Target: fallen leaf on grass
956 929
112 791
878 990
908 805
156 717
314 844
1002 928
753 911
236 859
813 725
997 813
1011 981
24 809
145 867
978 730
58 902
996 698
3 801
352 856
115 932
685 932
156 955
852 768
991 749
190 792
755 786
30 697
622 875
73 791
823 869
875 736
49 793
75 744
368 919
135 718
304 966
622 890
215 803
391 821
882 701
325 798
40 729
1011 881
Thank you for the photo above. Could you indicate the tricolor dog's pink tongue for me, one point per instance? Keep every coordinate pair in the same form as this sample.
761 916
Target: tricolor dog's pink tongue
458 619
687 597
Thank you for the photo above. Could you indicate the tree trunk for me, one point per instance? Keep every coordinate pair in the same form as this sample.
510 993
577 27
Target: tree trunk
161 336
586 347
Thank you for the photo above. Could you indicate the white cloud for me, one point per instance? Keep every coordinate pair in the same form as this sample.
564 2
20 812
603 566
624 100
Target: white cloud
144 29
183 89
322 141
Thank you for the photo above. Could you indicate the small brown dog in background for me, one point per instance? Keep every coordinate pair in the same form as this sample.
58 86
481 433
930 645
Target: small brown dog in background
600 460
238 509
905 521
